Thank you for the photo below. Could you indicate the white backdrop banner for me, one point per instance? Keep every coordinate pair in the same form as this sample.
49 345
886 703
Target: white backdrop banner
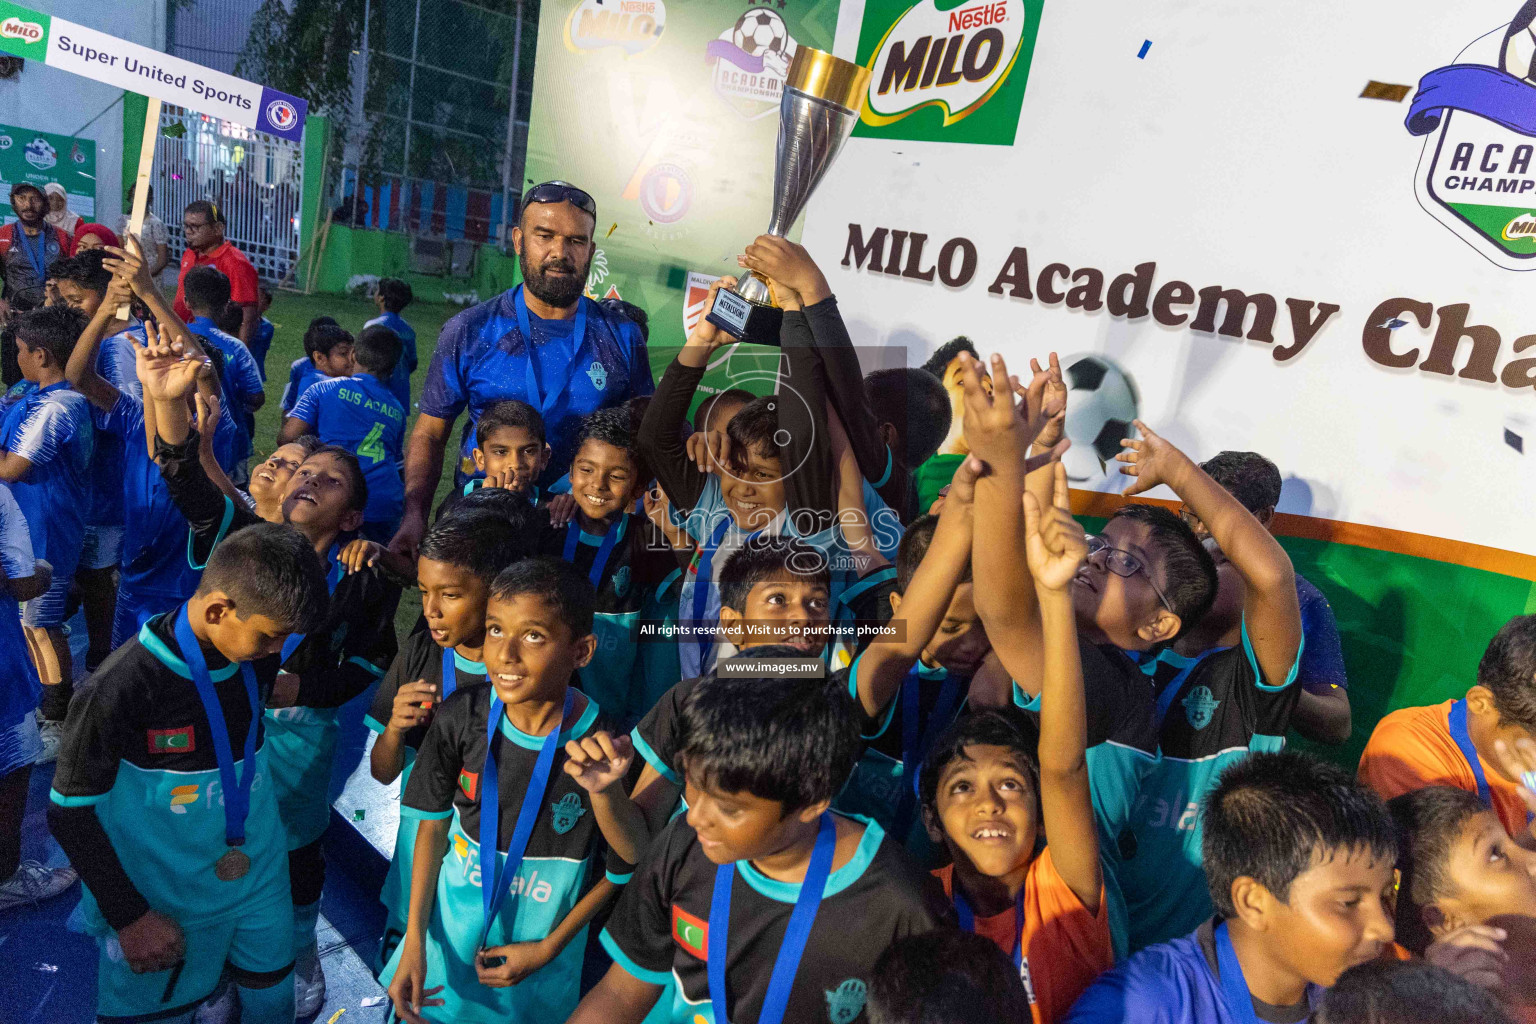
1278 262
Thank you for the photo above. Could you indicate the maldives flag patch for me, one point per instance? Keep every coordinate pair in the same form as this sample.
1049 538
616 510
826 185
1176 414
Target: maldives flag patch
690 932
469 782
172 741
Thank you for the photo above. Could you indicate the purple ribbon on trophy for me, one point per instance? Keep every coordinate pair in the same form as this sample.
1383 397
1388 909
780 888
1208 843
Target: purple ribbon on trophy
724 49
1488 92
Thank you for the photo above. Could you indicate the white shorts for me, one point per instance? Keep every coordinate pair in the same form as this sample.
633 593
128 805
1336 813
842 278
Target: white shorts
103 547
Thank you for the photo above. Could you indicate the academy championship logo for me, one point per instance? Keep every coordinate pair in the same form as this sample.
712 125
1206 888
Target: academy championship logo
1478 116
282 115
751 60
942 71
634 26
41 154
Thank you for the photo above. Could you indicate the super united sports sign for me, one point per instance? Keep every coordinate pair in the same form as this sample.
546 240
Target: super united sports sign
91 54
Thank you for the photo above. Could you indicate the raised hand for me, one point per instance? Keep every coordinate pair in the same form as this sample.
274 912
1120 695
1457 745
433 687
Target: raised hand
1151 460
1055 543
1519 762
412 706
1055 401
1474 952
360 554
598 761
709 449
789 266
130 264
962 486
167 375
998 429
705 333
562 509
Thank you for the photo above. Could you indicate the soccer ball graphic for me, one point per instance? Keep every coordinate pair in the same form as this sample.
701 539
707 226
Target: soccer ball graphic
1518 56
1101 404
760 32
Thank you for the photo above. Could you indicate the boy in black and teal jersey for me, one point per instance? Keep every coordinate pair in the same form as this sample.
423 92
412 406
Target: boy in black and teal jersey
710 905
315 673
510 452
499 936
1153 751
159 746
459 557
620 550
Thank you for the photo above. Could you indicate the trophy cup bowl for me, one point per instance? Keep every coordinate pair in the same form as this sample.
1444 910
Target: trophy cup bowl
817 112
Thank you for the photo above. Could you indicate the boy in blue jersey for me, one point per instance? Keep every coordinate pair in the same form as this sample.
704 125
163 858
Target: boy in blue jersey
500 891
261 337
206 291
391 298
22 577
315 673
620 551
510 452
81 283
1322 707
361 414
761 903
45 451
459 559
1299 860
163 798
156 573
327 353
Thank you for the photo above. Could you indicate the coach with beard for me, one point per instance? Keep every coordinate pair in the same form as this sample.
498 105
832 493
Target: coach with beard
542 342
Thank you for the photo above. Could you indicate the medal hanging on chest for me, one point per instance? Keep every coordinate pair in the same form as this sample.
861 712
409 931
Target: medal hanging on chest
234 864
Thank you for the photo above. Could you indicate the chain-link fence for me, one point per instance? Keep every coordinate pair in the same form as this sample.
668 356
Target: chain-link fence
434 144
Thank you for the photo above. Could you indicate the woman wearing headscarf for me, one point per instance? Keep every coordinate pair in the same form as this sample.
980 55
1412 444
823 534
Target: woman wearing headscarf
95 236
59 214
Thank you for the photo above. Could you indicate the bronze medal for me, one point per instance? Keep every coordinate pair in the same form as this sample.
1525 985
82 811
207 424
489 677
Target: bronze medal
232 866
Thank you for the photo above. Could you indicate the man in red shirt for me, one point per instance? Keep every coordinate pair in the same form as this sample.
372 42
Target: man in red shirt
203 225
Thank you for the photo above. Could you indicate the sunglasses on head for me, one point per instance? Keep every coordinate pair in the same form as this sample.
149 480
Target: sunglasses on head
560 192
1123 564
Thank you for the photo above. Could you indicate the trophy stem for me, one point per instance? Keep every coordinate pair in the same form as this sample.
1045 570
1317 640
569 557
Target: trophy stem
753 288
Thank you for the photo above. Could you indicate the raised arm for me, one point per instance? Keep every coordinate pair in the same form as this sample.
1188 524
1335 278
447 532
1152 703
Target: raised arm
81 368
661 431
1271 613
883 665
1055 548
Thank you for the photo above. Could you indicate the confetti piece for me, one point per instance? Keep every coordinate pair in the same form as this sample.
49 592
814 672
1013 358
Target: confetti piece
1144 48
1528 780
1394 324
174 130
358 815
1514 440
1385 91
336 1016
612 230
46 968
373 1001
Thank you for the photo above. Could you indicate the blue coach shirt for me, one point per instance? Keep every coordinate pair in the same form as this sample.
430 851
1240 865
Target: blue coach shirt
482 358
400 380
362 415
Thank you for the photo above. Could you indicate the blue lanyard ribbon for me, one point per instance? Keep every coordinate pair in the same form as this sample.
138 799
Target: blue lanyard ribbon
450 674
1463 738
502 872
237 792
968 922
795 936
544 399
600 560
1234 987
915 745
331 581
37 256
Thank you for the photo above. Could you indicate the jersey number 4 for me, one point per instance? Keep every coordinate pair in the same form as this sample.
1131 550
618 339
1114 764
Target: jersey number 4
373 445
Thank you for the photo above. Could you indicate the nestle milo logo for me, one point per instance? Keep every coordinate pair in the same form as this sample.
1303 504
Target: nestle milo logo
27 31
937 65
631 25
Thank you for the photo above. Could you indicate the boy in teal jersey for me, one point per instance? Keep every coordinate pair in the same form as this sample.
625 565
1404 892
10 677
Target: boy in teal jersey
362 415
923 672
510 452
459 558
762 904
620 550
163 797
315 673
499 935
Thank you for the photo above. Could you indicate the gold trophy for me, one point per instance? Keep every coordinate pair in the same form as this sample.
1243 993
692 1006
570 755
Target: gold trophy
817 112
